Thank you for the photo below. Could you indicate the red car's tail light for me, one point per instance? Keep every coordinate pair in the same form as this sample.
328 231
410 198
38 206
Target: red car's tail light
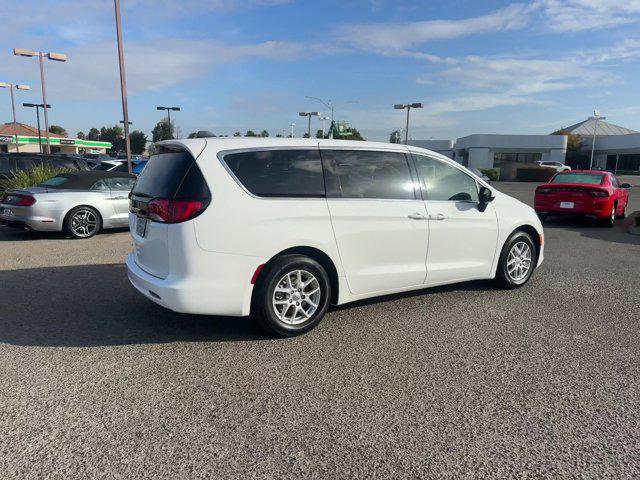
598 193
174 211
543 190
18 200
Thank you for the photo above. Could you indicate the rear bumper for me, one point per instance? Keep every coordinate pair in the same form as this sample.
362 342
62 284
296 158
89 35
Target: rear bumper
21 220
199 294
593 209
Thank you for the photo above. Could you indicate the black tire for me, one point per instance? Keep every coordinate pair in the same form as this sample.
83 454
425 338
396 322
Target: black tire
88 228
611 220
503 277
263 308
623 215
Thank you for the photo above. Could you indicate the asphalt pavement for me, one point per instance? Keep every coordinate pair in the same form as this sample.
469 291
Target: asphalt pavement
464 381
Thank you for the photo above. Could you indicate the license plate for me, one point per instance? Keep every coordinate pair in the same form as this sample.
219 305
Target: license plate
566 204
141 226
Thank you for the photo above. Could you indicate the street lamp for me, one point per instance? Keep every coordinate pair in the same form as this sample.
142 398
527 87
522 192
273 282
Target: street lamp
309 115
596 117
324 119
56 57
330 105
408 106
11 86
168 109
123 85
37 106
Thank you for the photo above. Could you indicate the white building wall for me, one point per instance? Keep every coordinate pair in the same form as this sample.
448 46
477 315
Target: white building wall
480 158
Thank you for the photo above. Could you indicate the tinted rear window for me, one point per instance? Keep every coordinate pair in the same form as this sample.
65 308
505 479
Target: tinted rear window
279 173
174 174
367 174
588 178
54 182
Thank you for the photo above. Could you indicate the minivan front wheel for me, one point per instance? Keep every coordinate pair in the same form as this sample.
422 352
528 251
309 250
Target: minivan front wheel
518 259
293 295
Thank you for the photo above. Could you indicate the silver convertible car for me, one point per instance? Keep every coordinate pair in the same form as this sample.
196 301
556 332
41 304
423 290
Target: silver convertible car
78 203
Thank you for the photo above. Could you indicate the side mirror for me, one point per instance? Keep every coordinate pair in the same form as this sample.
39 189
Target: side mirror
625 185
484 197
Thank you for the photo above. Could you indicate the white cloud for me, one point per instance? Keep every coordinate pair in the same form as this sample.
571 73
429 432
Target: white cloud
402 36
579 15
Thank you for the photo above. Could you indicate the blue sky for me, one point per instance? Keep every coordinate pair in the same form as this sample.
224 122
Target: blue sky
478 66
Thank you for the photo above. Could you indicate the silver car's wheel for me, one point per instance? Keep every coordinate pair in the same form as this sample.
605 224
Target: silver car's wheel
82 222
519 261
296 297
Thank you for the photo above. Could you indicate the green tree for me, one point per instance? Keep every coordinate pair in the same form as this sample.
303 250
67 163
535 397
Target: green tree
355 135
264 133
163 130
192 135
237 134
113 135
306 135
279 135
94 134
250 133
58 130
574 142
319 134
138 142
81 135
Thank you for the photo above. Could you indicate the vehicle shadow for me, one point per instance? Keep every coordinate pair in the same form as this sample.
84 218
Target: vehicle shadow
590 228
10 234
94 305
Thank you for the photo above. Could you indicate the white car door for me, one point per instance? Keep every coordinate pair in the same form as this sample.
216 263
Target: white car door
120 188
462 239
378 218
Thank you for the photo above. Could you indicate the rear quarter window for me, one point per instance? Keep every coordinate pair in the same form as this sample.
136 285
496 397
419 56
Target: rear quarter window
278 173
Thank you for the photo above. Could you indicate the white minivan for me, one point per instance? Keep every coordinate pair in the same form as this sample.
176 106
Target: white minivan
280 228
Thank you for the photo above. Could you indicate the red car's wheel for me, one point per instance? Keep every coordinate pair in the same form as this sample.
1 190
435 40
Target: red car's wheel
611 219
624 211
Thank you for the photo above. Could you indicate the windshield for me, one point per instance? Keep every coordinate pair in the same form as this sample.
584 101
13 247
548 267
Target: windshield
588 178
54 182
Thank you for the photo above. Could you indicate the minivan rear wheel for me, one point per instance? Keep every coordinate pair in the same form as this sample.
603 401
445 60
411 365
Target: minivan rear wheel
292 296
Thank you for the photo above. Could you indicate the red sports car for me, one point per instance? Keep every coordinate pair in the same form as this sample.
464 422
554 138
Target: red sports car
590 193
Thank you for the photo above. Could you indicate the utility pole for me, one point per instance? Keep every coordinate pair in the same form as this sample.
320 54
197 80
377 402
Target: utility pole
596 117
123 85
408 107
309 115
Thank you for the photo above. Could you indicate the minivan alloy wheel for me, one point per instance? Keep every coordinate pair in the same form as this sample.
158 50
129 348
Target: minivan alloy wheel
519 261
296 297
84 223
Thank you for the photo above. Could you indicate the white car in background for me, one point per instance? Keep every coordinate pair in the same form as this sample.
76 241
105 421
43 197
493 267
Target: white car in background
559 167
280 228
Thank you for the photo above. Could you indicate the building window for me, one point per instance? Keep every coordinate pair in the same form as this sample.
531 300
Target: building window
515 157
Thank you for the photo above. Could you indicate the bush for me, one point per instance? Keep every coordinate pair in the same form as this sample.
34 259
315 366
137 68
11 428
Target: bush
534 174
27 178
628 172
492 173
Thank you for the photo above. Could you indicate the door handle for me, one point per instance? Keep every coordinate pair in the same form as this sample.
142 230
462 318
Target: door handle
417 216
437 216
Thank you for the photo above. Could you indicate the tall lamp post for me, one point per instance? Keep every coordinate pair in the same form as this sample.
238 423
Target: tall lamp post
408 107
309 115
168 109
324 119
37 106
292 125
596 117
123 85
57 57
330 105
11 86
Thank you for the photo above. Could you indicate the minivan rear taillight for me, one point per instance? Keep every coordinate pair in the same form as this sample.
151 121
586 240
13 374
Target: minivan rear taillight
174 211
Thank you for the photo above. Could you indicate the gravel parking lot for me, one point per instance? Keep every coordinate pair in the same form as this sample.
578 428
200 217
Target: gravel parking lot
462 381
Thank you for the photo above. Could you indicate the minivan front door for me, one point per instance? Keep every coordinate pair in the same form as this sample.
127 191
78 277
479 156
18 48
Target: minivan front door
379 221
462 239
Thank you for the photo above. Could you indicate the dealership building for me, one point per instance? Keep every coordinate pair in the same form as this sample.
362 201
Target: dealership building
616 148
25 138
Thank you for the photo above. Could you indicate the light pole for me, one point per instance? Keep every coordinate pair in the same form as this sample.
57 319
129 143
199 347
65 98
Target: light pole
309 115
330 105
596 117
408 106
11 86
57 57
324 119
168 109
123 84
37 106
292 125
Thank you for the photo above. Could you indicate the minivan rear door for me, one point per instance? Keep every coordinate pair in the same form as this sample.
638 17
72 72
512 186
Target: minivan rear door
166 173
379 219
